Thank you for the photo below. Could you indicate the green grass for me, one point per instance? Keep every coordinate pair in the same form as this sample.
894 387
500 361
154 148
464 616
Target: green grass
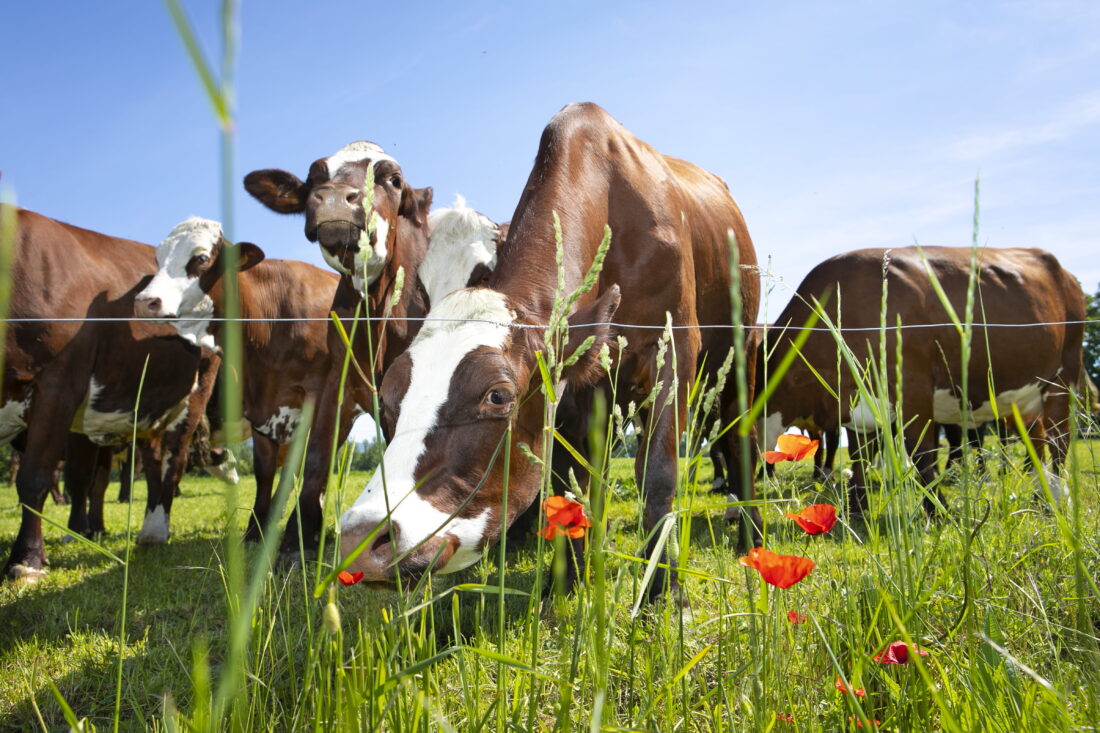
1023 657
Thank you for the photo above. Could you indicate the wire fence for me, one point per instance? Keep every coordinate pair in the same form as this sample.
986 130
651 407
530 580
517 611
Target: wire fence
611 324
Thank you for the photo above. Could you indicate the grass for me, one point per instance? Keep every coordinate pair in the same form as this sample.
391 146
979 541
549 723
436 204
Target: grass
1023 656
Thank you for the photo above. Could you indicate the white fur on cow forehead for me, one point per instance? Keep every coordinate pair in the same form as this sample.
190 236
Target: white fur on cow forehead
354 152
469 307
461 239
188 238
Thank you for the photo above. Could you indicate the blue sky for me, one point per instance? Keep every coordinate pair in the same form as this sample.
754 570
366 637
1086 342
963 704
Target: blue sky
836 125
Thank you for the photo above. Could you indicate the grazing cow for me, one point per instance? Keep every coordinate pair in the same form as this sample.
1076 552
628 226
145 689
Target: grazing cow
283 361
368 249
1030 366
469 378
84 375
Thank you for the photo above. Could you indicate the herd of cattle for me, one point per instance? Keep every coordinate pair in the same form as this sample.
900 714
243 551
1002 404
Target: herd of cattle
453 364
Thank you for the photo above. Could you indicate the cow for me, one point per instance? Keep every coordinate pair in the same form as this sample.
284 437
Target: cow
285 354
376 254
286 360
470 379
69 371
1030 367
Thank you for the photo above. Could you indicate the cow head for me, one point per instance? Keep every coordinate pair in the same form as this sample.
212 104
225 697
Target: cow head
449 402
354 241
190 264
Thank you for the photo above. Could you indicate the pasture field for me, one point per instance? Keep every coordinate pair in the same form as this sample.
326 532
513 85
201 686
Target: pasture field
1003 598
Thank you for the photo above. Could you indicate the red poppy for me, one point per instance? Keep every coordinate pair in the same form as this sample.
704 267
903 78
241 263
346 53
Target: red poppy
564 516
859 722
791 448
349 578
795 617
897 652
816 518
782 571
785 717
858 692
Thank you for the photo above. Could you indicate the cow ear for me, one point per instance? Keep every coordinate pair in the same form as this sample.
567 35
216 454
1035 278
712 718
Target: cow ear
593 320
278 190
415 204
248 255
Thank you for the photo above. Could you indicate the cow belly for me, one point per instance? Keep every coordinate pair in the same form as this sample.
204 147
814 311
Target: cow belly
280 426
111 427
947 407
12 419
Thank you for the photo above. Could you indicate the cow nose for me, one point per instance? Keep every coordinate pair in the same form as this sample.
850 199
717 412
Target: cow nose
376 558
336 196
147 307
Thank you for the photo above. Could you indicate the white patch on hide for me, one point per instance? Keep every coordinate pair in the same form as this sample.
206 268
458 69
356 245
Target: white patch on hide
354 152
369 260
280 426
862 418
12 421
436 353
947 407
461 239
154 530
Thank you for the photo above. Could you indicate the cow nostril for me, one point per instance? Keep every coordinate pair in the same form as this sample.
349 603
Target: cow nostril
153 304
381 547
354 197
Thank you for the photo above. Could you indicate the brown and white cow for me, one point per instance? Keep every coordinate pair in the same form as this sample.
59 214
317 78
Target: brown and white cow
1029 366
83 375
467 379
285 351
368 249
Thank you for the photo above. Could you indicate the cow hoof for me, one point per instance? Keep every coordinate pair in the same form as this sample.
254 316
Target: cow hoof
25 574
67 539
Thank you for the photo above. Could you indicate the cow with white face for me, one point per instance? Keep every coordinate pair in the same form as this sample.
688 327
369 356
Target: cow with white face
462 403
285 356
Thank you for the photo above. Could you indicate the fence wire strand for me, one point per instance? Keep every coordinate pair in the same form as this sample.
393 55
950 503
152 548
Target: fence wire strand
611 324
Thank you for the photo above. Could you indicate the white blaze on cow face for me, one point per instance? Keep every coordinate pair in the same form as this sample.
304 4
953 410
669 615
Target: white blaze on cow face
461 239
435 355
181 298
947 407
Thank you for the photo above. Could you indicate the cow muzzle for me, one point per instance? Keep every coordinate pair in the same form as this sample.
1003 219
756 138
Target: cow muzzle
149 306
381 561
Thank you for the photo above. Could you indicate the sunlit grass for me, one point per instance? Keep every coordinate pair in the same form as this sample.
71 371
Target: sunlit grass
856 600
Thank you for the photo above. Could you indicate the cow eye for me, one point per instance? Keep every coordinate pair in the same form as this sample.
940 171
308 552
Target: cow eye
395 181
202 259
497 398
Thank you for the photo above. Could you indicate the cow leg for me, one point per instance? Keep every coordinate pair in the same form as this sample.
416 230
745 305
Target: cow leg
54 405
719 460
921 443
154 528
830 439
862 447
573 414
306 519
265 459
129 468
954 436
80 461
101 476
655 468
1056 409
